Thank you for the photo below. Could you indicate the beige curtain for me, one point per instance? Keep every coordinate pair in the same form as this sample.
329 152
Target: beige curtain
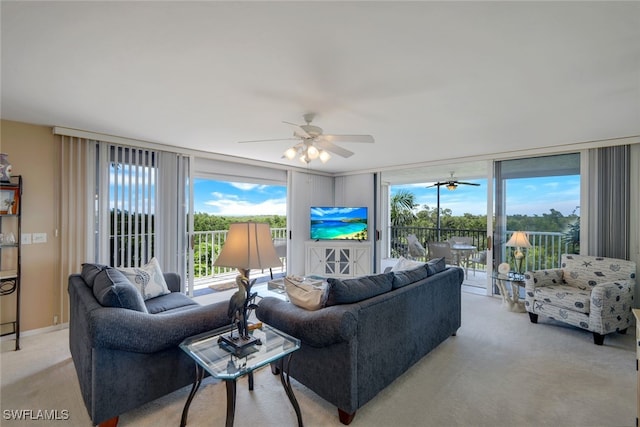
75 213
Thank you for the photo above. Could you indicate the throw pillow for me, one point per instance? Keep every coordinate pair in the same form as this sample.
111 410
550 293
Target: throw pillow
403 278
305 295
90 271
112 289
353 290
406 264
148 279
436 265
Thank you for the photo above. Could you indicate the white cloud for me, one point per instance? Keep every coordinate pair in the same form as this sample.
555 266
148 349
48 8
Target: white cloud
225 196
246 186
236 207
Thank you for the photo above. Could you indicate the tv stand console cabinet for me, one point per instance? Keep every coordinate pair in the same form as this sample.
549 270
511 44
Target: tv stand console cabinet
328 258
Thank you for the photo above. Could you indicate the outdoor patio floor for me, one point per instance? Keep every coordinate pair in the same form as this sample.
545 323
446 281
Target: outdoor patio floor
475 282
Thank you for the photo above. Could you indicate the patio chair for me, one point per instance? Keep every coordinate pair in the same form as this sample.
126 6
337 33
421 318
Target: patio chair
281 251
441 250
415 249
478 258
461 240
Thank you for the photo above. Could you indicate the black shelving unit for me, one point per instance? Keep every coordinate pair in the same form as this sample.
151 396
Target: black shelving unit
10 248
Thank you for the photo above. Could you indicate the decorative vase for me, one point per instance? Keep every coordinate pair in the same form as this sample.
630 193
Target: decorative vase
5 167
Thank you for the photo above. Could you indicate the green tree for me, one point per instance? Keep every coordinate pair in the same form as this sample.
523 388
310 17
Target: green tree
402 205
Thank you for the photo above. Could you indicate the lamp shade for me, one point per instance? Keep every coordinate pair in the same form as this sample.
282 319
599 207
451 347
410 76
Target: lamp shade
519 240
248 245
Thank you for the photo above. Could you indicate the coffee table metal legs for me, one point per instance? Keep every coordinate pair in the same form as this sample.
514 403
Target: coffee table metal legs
286 383
231 386
231 402
194 389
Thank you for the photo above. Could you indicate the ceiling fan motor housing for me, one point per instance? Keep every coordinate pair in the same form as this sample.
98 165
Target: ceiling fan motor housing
312 130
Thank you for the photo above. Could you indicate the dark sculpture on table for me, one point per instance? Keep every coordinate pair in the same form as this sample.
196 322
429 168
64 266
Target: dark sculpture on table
240 304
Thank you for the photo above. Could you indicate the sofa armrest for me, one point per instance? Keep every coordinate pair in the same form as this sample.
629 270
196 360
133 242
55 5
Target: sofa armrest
611 298
540 278
130 330
317 328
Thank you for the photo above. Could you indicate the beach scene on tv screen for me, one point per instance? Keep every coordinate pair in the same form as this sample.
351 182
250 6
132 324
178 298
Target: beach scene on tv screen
329 223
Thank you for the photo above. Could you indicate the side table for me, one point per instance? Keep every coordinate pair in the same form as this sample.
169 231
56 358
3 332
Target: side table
228 365
511 301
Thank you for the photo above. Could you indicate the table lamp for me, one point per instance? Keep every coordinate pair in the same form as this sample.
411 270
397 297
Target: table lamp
518 240
248 245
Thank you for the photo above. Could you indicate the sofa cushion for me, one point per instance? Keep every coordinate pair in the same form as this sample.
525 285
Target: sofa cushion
436 265
148 279
403 278
406 264
353 290
112 289
169 302
90 271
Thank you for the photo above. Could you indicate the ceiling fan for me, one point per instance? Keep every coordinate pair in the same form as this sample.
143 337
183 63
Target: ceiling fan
314 143
452 183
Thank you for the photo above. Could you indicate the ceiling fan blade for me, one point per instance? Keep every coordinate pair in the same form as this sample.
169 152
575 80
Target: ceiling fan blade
436 184
330 146
347 138
298 131
468 183
269 140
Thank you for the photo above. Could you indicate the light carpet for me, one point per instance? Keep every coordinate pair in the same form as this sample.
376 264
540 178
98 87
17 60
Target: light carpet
500 370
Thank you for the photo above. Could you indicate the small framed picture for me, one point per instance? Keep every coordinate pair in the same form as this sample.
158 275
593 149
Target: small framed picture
9 200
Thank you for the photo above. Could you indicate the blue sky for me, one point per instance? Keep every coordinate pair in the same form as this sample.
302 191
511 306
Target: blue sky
530 196
527 196
239 199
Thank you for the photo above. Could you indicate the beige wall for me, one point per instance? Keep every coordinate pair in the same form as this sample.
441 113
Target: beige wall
33 154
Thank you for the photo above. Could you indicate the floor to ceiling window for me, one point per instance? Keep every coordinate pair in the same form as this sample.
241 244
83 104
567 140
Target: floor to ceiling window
140 209
218 203
131 196
540 196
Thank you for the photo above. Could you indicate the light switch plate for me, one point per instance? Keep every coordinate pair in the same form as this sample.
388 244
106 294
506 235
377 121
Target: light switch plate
25 239
39 238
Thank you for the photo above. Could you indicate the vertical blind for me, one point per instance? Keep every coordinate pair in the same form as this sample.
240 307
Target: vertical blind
76 212
609 202
127 204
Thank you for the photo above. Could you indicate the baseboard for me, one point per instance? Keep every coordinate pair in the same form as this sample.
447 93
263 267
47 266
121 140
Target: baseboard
36 331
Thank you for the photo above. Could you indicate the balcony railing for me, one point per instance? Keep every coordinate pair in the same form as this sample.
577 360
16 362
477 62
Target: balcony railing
545 250
207 246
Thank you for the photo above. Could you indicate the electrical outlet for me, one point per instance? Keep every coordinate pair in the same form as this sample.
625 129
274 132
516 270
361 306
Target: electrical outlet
55 319
25 239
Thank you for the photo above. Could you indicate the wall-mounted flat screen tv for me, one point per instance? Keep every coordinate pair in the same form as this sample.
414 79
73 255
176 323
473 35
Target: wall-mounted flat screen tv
338 223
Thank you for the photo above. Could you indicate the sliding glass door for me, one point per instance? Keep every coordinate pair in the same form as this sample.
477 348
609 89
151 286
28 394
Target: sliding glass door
541 197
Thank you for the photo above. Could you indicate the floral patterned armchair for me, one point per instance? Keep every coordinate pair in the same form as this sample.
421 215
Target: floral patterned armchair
592 293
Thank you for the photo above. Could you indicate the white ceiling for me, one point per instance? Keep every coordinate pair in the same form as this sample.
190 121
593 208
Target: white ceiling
429 80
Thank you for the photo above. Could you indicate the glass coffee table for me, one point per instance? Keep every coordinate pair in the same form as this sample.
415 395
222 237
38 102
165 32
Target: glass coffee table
228 364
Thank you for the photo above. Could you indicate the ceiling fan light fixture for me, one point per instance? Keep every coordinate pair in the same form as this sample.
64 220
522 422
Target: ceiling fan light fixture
314 144
324 156
291 153
312 152
452 186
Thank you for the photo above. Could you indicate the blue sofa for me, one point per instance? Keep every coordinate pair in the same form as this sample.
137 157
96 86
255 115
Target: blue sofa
371 330
126 357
